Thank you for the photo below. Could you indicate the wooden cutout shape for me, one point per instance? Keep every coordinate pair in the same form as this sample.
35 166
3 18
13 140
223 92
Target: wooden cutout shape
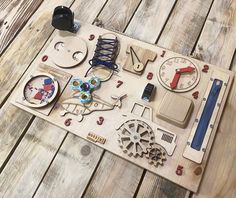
96 138
137 59
189 152
140 113
75 107
163 137
68 51
175 71
62 79
175 109
40 90
142 110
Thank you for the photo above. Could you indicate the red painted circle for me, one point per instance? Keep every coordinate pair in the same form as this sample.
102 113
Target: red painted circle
44 58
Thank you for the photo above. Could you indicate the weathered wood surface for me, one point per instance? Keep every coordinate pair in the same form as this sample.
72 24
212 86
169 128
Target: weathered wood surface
114 177
184 25
149 19
14 121
218 34
218 43
153 186
27 165
13 16
117 14
71 169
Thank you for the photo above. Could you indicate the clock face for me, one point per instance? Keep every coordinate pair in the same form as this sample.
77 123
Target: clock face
40 90
178 74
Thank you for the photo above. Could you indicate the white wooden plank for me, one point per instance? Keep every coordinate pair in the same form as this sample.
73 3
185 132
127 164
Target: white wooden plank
184 25
71 170
27 165
149 19
114 177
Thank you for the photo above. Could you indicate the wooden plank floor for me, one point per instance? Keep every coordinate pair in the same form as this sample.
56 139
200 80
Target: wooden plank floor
41 160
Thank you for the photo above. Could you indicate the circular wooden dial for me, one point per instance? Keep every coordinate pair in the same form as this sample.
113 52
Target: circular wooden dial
178 74
68 51
40 90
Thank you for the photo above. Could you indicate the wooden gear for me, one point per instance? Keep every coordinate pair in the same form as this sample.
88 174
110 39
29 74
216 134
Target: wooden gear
156 154
135 137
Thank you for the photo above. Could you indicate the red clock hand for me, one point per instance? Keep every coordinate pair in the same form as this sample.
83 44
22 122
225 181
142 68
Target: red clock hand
185 69
175 81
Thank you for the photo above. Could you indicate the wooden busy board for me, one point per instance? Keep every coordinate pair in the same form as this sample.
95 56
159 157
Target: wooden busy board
169 133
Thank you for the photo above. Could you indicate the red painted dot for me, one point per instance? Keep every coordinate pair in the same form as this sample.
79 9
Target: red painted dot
44 58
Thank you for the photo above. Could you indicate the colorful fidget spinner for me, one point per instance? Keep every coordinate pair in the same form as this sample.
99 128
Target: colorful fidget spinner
85 88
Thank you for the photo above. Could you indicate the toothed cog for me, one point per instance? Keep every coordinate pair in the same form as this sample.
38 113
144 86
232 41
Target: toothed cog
135 137
156 154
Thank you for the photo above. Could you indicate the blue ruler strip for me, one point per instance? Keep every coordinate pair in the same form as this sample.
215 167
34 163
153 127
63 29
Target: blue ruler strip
206 115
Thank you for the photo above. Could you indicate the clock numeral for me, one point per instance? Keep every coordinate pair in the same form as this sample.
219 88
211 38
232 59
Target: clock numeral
163 73
169 63
176 60
163 67
189 83
182 60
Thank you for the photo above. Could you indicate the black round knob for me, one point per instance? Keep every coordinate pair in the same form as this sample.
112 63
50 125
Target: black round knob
63 18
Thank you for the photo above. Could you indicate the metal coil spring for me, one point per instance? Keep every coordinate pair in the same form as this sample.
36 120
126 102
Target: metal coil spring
105 54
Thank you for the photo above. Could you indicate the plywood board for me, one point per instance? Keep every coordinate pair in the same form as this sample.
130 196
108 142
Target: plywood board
172 138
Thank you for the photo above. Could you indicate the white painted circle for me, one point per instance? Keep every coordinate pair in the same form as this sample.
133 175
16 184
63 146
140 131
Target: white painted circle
186 82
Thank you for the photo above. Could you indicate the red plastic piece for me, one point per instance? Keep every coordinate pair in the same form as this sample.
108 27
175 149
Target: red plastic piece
38 96
44 58
100 120
150 76
47 87
185 70
179 170
205 68
119 83
91 37
175 81
68 122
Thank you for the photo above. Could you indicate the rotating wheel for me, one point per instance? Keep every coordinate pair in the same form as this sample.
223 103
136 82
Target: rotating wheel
135 137
156 154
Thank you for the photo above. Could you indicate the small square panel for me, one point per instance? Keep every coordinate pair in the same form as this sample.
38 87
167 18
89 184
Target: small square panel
175 109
